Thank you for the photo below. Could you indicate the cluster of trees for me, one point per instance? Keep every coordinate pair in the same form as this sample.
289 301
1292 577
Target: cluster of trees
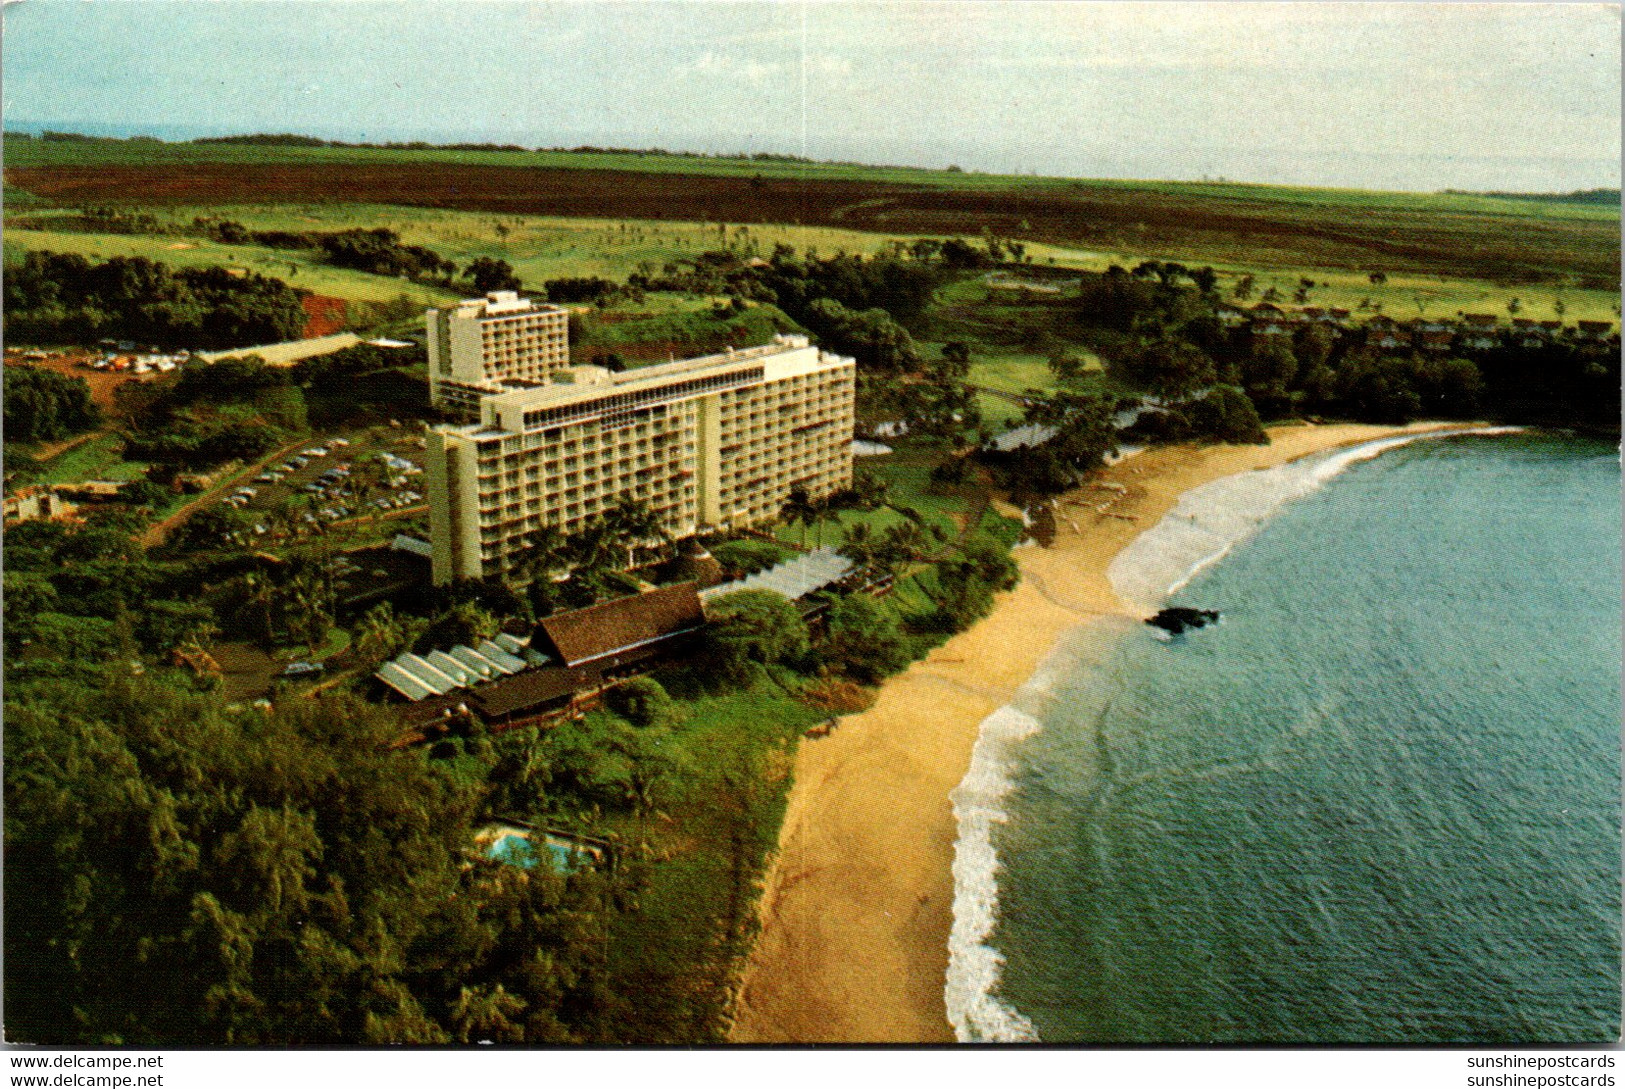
567 571
378 250
959 255
381 252
294 140
42 405
579 289
873 336
191 445
1563 384
859 306
902 288
52 297
1149 300
233 410
863 638
77 593
1319 372
288 139
491 274
1084 433
100 220
1158 329
194 873
200 874
184 874
898 282
231 233
1220 414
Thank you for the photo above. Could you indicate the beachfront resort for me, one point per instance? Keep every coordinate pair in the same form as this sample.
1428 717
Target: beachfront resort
711 444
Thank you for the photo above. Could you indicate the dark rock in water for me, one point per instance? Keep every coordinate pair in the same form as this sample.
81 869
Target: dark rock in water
1176 620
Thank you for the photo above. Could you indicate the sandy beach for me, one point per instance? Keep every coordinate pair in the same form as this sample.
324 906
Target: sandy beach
858 903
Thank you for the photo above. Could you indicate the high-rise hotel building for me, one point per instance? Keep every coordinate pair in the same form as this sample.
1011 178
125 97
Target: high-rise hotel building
709 444
485 346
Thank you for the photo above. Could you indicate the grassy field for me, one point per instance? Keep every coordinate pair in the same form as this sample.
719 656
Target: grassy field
540 248
1404 295
906 472
1487 238
97 458
294 268
548 247
22 152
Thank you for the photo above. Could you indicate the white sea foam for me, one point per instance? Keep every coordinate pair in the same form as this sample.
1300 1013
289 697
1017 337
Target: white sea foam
1209 521
1205 525
973 965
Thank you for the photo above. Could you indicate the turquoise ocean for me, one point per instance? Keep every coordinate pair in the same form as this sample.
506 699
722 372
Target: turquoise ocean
1379 801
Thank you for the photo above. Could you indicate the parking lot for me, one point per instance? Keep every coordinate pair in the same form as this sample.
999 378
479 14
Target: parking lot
351 475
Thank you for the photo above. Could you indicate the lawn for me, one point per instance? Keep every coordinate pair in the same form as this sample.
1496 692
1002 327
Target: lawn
907 472
295 268
718 819
98 458
1407 296
539 248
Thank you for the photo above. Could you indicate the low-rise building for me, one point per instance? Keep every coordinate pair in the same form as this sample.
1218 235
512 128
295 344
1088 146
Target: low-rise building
37 504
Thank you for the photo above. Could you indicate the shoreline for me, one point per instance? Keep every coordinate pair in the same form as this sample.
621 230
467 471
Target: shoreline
857 903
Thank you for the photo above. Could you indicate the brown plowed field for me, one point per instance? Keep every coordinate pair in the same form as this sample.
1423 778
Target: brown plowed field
1141 221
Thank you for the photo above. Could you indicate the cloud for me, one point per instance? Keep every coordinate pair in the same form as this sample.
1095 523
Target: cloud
722 66
826 65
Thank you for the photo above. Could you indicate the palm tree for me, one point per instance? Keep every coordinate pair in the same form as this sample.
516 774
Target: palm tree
199 637
487 1013
824 510
859 544
310 599
542 553
282 521
379 632
634 524
901 544
275 847
799 508
261 593
368 480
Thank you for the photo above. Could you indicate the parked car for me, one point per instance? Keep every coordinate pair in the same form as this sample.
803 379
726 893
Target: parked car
302 669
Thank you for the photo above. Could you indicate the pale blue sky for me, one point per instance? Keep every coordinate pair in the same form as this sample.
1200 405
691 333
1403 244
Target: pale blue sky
1415 96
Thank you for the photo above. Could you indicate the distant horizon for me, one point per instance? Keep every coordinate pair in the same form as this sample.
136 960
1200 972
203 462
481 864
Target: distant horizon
173 134
1410 97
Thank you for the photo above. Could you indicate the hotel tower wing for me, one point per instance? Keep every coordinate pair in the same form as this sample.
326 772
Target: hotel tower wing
709 444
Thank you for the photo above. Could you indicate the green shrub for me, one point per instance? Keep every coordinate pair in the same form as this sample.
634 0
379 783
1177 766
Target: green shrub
642 701
866 640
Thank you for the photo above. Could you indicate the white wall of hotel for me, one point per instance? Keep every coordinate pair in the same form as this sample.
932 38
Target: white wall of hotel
477 344
747 425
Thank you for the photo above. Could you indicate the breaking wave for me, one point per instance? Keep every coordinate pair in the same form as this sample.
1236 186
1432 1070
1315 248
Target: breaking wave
1209 521
1206 524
